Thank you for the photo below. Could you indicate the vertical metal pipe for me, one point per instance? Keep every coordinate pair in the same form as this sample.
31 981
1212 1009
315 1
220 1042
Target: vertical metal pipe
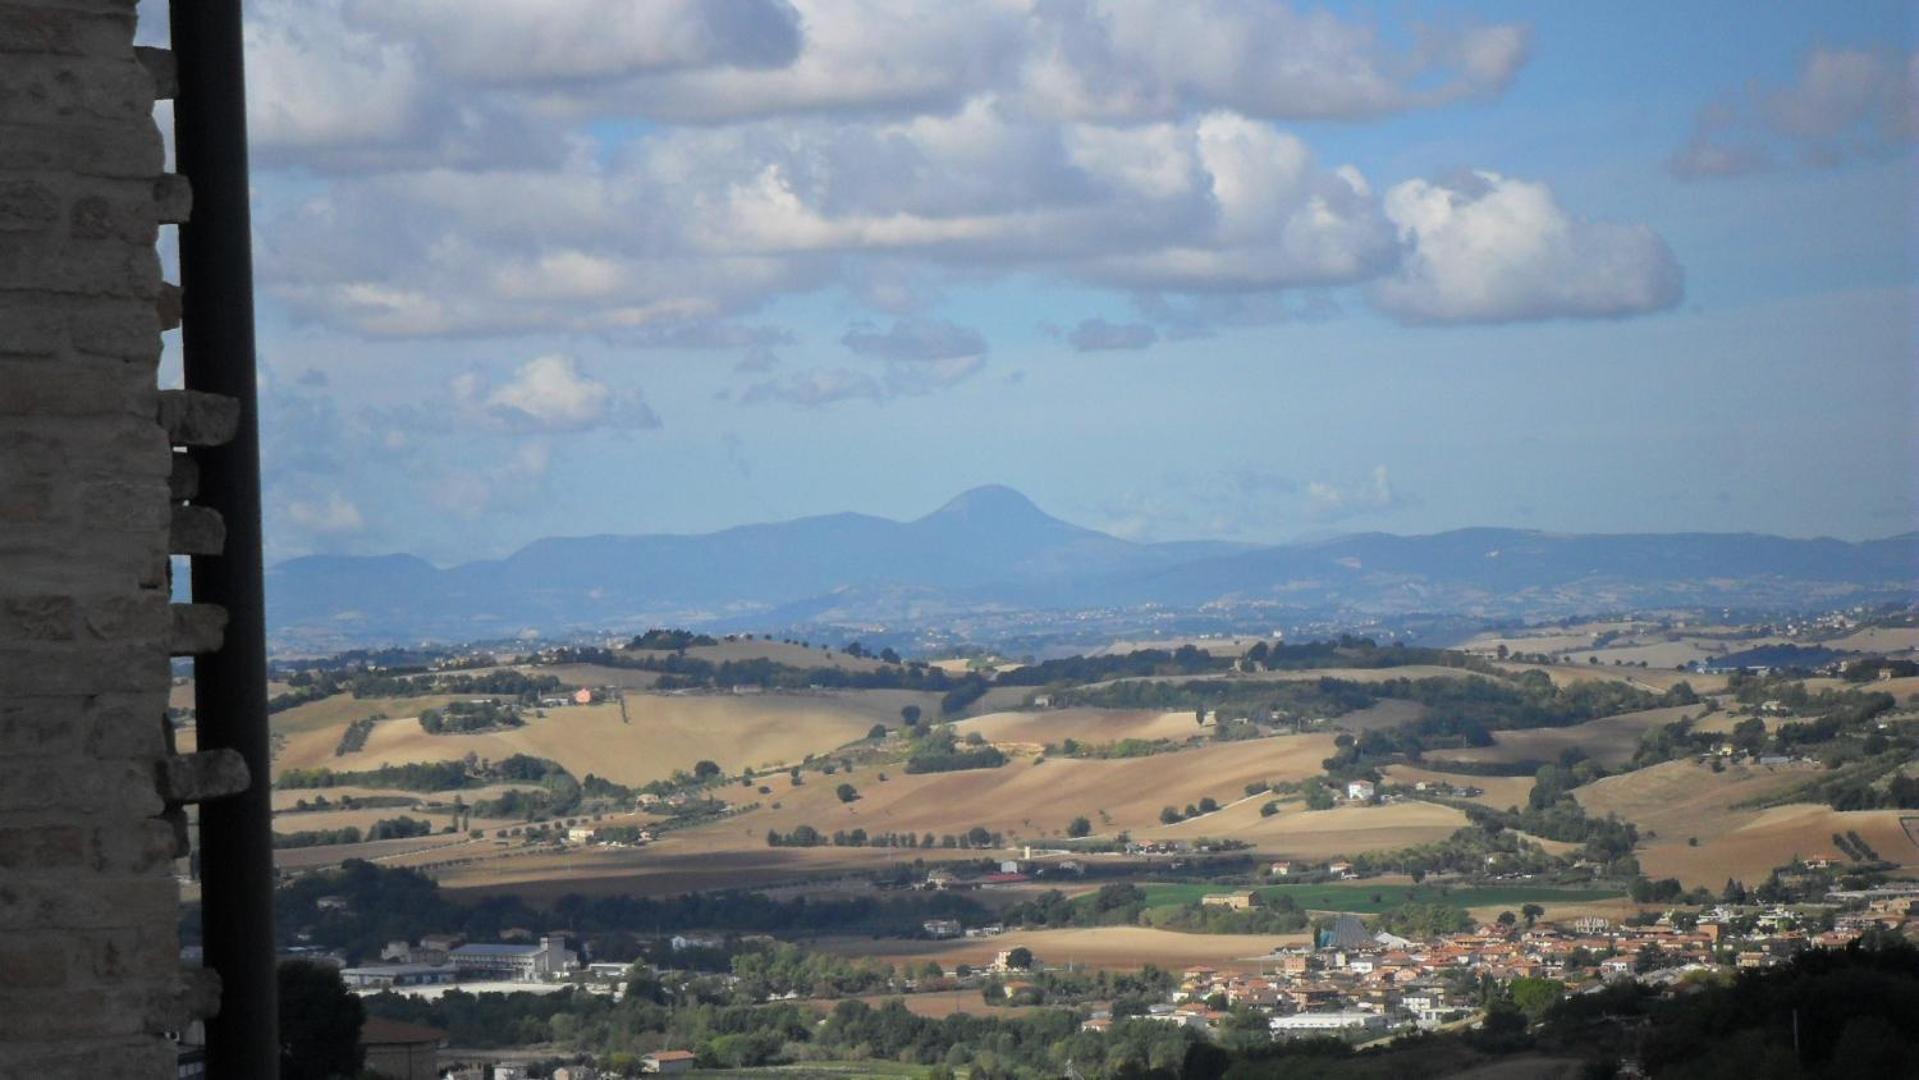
216 278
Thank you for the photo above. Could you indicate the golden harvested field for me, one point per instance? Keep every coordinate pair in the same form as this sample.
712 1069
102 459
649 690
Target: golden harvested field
1883 639
1021 798
599 675
673 865
1652 679
285 799
940 1004
1905 690
336 712
1385 713
380 851
1035 729
1110 947
360 819
1500 791
1319 834
1217 646
665 732
1677 801
1609 740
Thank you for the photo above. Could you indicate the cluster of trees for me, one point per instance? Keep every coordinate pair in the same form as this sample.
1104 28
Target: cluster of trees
414 776
807 836
396 828
1173 815
1305 698
1140 663
1421 920
316 684
355 736
1278 915
1122 748
670 640
679 671
939 751
1466 851
389 903
1826 1013
465 717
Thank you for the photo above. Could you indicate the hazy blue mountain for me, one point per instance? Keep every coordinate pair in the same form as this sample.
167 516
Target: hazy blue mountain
992 549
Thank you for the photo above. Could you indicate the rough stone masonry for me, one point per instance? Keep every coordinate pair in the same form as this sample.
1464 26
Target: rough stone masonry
93 498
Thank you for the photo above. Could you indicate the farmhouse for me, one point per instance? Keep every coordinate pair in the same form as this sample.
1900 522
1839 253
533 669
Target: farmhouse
1237 901
942 928
1282 869
1360 789
667 1062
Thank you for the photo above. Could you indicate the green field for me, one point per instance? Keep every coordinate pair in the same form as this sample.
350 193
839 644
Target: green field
823 1070
1372 899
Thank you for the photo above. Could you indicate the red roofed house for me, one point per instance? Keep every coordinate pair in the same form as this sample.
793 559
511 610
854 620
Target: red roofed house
667 1062
400 1050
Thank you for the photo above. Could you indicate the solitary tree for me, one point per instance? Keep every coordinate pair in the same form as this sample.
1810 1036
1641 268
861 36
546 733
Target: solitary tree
847 793
319 1023
1019 958
1079 827
706 770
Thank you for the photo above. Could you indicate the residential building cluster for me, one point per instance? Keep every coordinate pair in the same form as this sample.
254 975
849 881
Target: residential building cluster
1357 983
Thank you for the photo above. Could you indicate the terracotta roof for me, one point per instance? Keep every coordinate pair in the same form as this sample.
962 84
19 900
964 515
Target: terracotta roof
672 1055
379 1031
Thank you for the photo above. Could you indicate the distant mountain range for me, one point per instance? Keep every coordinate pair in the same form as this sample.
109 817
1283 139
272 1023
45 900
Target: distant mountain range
991 549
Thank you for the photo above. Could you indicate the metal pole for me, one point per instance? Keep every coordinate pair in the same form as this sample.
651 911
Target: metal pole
216 269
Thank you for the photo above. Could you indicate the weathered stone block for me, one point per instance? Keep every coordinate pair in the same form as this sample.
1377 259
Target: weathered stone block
122 329
196 418
184 481
89 389
51 901
196 530
45 847
197 629
37 618
173 195
38 961
27 205
163 68
127 617
209 774
41 727
84 151
166 306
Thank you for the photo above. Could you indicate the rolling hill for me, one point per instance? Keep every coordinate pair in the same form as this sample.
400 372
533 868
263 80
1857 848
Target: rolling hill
992 549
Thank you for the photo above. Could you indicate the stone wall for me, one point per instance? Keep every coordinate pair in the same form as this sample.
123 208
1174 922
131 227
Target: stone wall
90 978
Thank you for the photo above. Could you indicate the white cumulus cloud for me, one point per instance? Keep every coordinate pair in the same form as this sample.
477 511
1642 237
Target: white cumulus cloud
550 393
1489 248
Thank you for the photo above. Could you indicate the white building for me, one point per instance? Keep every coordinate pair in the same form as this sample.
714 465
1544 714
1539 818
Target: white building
1360 789
524 963
1308 1022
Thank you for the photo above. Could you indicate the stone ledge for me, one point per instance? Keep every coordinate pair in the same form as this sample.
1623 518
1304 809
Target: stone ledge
209 774
196 629
196 530
197 418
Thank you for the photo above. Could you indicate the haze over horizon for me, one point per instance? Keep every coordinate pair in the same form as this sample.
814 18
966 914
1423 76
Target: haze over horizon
1220 270
1007 502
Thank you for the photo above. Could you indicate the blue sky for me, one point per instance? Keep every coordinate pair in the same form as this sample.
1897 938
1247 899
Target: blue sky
1211 269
